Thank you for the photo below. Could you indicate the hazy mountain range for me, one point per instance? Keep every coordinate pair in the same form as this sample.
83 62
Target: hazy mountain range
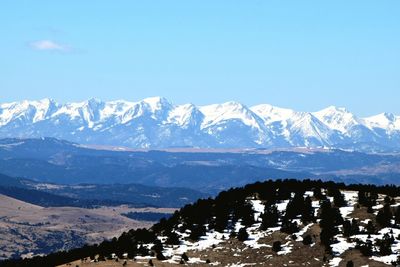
157 123
50 160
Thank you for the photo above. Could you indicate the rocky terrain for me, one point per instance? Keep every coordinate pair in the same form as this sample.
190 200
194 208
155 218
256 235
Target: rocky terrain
282 223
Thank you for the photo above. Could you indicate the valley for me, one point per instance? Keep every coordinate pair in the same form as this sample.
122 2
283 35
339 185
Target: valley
59 200
199 133
27 229
193 173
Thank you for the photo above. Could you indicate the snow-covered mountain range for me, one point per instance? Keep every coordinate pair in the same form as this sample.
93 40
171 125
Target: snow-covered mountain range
157 123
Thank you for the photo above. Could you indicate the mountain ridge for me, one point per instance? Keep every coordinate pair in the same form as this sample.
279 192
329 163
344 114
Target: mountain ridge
155 122
272 223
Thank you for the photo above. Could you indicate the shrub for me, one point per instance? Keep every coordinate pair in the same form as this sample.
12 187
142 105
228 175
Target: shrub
242 234
277 246
307 240
185 257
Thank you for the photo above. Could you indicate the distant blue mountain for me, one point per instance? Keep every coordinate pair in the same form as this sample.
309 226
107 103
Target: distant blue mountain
48 160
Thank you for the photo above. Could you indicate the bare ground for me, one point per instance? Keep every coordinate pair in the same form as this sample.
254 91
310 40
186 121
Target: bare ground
26 228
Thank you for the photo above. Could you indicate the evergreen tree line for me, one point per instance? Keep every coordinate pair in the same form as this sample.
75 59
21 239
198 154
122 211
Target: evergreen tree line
232 206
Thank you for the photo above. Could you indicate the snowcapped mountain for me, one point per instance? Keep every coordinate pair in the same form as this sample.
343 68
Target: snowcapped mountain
157 123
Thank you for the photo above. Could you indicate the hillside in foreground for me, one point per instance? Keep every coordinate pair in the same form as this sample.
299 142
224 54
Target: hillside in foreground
274 223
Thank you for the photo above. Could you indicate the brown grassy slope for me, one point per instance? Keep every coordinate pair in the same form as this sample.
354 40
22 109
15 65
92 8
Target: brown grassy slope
24 226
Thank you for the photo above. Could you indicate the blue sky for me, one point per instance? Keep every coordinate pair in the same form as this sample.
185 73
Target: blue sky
304 55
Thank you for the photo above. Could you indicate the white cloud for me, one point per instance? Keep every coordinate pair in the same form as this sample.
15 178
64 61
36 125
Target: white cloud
49 45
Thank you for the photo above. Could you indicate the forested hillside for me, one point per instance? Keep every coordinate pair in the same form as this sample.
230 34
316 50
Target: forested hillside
270 222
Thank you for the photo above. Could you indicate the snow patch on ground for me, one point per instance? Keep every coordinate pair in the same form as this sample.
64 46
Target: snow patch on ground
213 238
351 197
258 208
335 262
286 249
282 206
299 235
342 245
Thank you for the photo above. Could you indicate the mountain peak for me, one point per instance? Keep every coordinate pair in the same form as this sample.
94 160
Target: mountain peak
229 105
155 100
271 113
389 116
155 122
94 100
232 103
386 121
339 119
94 104
47 101
333 110
157 103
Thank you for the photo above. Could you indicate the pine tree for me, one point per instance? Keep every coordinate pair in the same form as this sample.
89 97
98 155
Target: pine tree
330 218
172 238
308 211
397 215
362 198
242 234
317 193
270 217
365 247
385 245
196 231
295 206
245 212
384 216
355 229
185 257
289 226
347 228
370 228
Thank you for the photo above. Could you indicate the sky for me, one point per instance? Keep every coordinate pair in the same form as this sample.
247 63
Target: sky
304 55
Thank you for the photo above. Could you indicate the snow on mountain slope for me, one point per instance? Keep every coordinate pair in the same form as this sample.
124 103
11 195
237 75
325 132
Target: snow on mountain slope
185 115
156 123
352 129
215 114
386 121
306 130
297 128
271 114
337 118
28 111
233 123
